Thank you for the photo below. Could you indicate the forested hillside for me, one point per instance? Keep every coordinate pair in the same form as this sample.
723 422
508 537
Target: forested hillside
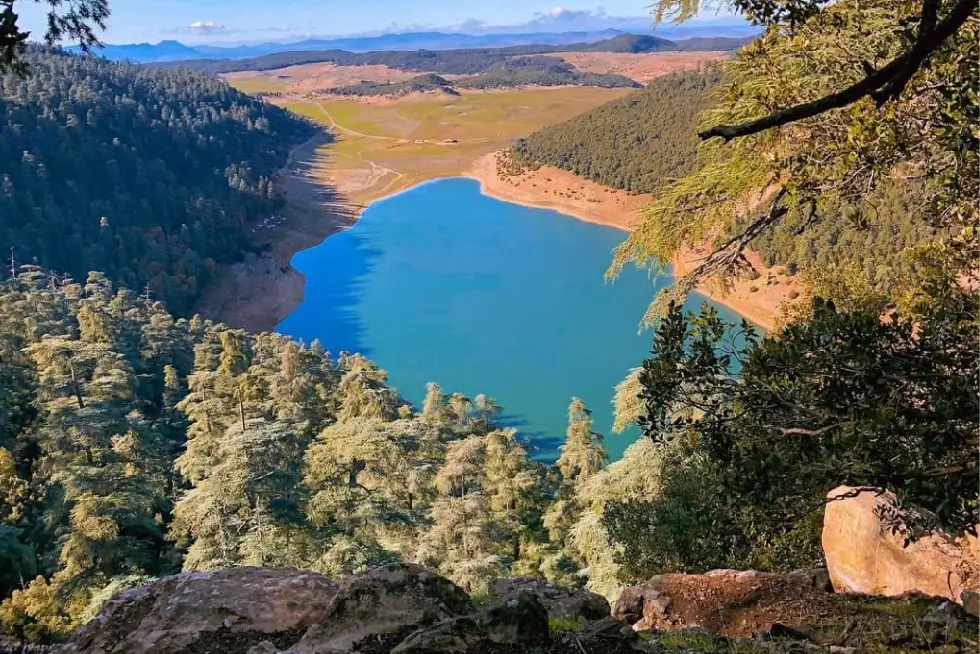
152 176
635 143
134 444
517 72
643 141
452 62
541 71
421 84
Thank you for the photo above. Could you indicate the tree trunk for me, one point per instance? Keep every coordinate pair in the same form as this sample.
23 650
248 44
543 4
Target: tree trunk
75 386
241 407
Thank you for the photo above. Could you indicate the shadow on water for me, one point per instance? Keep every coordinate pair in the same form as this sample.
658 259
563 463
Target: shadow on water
335 273
538 443
334 269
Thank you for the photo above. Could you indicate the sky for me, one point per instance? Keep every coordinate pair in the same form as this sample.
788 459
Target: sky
252 21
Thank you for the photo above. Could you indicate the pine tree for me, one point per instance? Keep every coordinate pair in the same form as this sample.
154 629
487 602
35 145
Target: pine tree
582 454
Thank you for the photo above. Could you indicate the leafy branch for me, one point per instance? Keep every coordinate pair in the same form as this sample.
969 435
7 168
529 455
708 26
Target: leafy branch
882 85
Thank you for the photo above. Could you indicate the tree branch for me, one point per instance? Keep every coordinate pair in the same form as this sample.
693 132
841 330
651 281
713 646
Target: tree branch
884 84
724 256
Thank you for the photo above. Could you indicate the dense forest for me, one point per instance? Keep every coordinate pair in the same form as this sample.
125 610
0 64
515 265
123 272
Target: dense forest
541 71
152 176
635 143
451 62
134 445
517 72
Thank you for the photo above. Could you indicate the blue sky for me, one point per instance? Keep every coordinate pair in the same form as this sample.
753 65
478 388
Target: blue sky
245 21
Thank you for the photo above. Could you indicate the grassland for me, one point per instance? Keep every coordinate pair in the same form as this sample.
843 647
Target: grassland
386 146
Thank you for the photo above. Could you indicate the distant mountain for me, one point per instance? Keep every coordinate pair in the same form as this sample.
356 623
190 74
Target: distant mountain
145 53
166 51
176 51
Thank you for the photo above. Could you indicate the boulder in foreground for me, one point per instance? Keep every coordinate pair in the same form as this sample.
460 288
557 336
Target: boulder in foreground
234 610
864 557
560 602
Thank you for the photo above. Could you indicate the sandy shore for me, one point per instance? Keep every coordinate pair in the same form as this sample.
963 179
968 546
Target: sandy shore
760 300
258 293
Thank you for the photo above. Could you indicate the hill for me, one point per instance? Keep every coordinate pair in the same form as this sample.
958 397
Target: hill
642 141
634 43
151 175
422 84
451 62
635 143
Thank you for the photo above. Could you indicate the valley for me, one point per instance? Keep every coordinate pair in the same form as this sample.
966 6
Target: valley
373 345
380 146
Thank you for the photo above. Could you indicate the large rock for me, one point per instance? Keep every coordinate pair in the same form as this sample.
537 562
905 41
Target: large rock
864 556
561 603
393 599
518 619
724 602
237 610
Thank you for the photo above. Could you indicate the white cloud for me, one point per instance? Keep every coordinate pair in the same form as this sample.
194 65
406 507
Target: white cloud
206 27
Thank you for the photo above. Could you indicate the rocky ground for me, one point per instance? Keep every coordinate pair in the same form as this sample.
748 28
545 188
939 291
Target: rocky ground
407 609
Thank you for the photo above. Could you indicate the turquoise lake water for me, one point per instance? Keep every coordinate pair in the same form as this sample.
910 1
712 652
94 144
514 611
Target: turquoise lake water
442 283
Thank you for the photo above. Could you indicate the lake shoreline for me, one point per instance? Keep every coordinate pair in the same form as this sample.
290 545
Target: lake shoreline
260 292
759 301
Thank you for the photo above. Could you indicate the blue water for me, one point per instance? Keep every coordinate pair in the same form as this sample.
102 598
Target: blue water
442 283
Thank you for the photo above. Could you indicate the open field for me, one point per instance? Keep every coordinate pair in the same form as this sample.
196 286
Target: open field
641 67
312 77
385 147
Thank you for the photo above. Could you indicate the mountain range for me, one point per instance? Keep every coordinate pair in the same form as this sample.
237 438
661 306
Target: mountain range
171 50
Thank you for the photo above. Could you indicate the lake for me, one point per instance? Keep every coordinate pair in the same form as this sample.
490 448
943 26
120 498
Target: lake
442 283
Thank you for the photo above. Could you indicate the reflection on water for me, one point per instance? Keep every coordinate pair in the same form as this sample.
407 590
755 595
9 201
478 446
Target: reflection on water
444 284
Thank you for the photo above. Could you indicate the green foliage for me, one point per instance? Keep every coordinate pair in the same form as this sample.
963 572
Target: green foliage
814 406
421 84
76 21
140 445
541 71
636 143
154 177
884 224
843 161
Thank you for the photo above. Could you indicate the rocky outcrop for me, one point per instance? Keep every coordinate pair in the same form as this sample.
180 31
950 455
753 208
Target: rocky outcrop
560 602
865 557
241 610
518 619
725 602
